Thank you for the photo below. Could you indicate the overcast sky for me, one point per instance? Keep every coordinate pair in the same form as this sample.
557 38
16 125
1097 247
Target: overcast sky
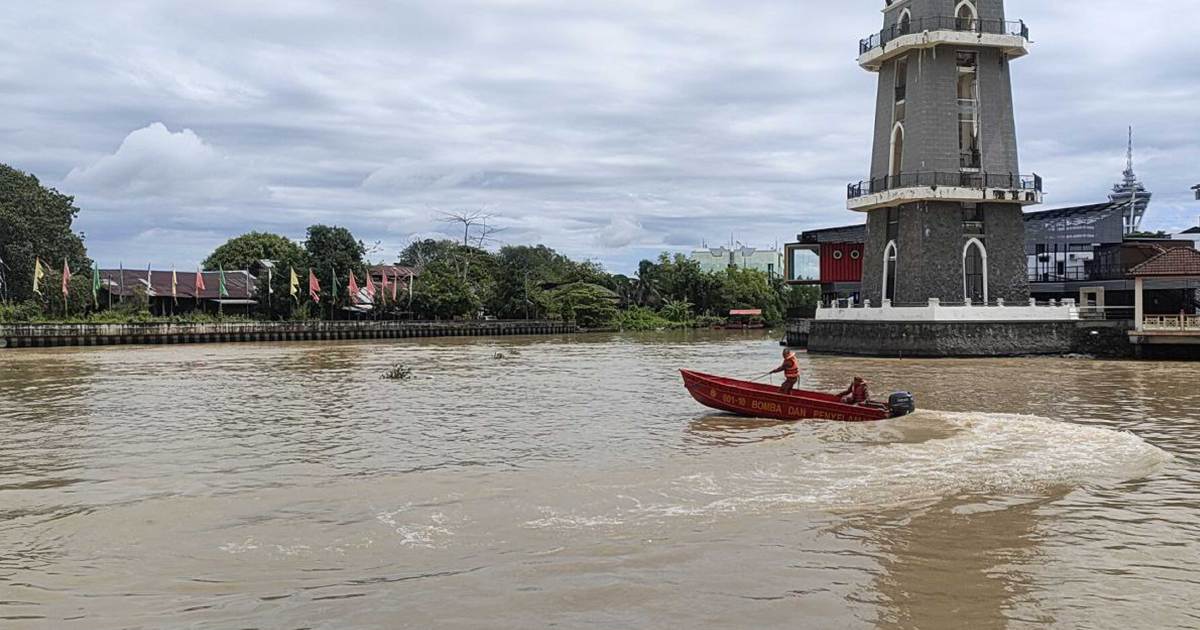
608 129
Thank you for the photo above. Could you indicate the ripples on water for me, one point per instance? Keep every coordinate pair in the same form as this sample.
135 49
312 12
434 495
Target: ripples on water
574 482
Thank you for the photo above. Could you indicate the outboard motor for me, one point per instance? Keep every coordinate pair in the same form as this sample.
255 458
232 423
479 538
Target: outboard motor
901 404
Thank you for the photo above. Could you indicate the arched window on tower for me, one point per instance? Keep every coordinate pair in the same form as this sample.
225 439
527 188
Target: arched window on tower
896 162
890 258
968 17
975 274
904 25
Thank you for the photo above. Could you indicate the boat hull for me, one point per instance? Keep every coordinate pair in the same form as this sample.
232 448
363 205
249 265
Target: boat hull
756 400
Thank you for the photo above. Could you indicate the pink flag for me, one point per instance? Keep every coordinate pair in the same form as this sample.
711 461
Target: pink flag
395 282
353 288
66 278
199 282
314 287
383 289
370 287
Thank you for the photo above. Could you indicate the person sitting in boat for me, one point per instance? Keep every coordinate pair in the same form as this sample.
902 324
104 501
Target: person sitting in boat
857 393
791 371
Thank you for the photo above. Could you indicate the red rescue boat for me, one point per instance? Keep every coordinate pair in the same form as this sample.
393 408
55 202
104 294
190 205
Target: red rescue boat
759 400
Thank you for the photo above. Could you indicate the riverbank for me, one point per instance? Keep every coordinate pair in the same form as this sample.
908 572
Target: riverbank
53 335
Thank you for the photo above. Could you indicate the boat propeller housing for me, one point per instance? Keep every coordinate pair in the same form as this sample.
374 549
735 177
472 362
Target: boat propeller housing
902 404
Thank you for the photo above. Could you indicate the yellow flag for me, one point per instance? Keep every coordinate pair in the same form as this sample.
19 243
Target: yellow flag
38 274
174 286
295 285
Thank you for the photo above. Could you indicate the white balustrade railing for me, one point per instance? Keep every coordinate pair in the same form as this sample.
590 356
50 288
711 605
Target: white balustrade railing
1171 323
935 311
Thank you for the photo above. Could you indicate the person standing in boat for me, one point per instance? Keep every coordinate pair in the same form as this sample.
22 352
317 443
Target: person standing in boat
791 371
857 393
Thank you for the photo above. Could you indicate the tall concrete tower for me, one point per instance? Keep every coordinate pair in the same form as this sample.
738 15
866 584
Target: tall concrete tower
945 194
1132 193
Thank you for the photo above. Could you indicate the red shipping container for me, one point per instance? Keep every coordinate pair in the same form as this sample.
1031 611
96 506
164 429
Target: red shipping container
841 262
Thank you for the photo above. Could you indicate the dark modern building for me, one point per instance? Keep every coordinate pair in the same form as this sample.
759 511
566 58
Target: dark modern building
944 198
1197 189
1080 253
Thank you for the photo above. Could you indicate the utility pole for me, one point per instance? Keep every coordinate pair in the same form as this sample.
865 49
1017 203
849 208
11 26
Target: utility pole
3 283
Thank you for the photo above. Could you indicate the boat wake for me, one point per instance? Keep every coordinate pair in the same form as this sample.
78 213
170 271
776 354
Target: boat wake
829 468
923 459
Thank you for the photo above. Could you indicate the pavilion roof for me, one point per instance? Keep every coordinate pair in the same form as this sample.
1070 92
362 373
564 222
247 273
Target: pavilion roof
1174 262
239 284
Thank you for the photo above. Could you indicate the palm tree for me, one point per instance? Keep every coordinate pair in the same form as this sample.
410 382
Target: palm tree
677 310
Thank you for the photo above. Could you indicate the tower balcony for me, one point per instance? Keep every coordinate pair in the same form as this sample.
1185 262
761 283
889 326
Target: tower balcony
1012 37
974 187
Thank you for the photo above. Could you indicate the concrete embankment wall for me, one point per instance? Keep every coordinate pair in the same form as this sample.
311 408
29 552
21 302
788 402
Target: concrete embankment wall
49 335
797 333
970 339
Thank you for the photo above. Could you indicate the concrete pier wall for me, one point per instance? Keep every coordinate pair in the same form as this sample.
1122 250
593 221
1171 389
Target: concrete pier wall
969 339
52 335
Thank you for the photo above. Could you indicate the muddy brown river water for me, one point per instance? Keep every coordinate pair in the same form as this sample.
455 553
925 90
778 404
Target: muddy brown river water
574 484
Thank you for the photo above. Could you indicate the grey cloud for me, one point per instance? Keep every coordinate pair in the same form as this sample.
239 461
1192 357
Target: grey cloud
609 130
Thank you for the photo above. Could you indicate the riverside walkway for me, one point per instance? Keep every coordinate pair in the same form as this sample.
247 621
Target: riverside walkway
51 335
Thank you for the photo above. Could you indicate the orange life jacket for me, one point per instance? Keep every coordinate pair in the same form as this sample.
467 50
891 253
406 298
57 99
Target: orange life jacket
859 393
791 366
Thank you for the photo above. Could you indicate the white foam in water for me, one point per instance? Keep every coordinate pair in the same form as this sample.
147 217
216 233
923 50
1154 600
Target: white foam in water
982 454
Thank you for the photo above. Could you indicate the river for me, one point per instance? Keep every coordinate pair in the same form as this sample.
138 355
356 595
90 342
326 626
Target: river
570 482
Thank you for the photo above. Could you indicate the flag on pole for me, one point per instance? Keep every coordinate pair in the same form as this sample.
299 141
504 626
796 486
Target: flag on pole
149 282
395 281
352 289
96 285
333 287
370 288
122 278
174 286
199 284
294 285
222 290
38 274
314 287
383 289
66 277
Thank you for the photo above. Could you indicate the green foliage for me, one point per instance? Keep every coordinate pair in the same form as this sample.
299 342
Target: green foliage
35 222
588 305
640 318
245 252
20 312
678 311
440 293
329 249
525 274
749 288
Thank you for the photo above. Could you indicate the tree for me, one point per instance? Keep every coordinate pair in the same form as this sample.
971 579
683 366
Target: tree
588 305
524 272
477 220
333 249
677 311
750 288
35 222
441 294
245 251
